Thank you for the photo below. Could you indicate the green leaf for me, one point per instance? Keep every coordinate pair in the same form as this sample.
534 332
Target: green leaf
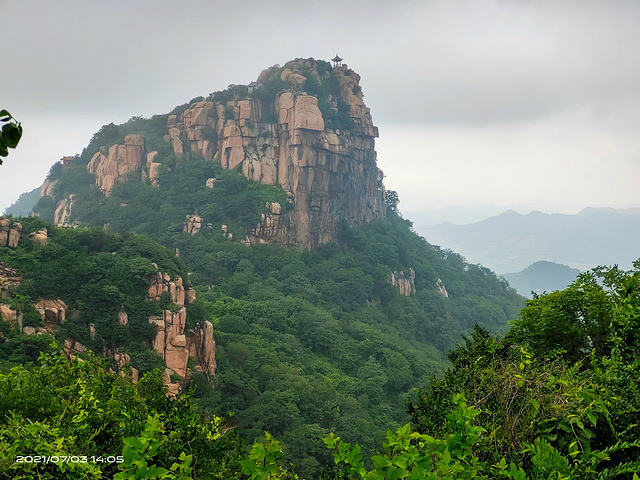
134 443
535 404
592 417
379 461
155 472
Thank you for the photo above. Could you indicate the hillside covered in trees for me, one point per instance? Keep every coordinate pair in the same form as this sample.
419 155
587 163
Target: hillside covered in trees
307 342
538 403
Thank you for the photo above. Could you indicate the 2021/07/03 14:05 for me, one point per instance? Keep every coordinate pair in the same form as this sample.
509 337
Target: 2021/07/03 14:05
69 459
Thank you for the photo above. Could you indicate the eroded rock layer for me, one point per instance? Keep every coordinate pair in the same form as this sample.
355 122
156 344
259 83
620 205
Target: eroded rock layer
404 283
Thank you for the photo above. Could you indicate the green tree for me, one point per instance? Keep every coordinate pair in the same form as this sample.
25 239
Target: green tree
10 133
575 320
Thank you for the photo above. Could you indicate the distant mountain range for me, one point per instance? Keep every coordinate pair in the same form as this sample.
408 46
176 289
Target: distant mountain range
24 204
541 277
458 215
511 241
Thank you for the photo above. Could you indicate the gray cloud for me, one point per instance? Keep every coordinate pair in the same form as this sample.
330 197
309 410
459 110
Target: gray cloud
472 69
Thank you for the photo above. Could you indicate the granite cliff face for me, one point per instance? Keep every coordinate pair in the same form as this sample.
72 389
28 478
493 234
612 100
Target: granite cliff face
114 165
329 173
9 233
303 126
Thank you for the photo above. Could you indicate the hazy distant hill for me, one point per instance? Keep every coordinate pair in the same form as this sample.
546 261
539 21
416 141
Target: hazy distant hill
511 241
457 215
542 277
24 204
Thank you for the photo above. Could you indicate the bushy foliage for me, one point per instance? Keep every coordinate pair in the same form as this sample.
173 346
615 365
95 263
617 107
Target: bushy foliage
68 408
10 133
561 405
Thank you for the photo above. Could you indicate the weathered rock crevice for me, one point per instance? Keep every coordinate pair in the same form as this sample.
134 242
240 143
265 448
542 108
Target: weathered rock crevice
9 233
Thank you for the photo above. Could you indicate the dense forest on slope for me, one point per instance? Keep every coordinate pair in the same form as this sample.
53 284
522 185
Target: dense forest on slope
160 212
96 274
308 342
536 404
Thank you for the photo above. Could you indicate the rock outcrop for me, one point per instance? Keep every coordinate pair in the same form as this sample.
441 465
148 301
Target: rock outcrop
123 318
40 236
9 233
9 278
46 190
62 215
153 168
173 341
193 224
441 289
53 312
268 228
303 126
115 165
71 347
122 360
202 347
404 283
9 315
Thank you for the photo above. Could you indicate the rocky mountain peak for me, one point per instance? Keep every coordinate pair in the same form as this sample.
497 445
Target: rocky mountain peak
303 126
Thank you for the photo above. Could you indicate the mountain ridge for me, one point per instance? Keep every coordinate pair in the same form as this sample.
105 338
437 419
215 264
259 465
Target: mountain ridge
540 277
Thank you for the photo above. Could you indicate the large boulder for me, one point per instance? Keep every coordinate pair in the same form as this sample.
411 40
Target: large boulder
9 233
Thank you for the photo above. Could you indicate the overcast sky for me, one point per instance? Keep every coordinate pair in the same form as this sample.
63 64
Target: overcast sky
480 102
